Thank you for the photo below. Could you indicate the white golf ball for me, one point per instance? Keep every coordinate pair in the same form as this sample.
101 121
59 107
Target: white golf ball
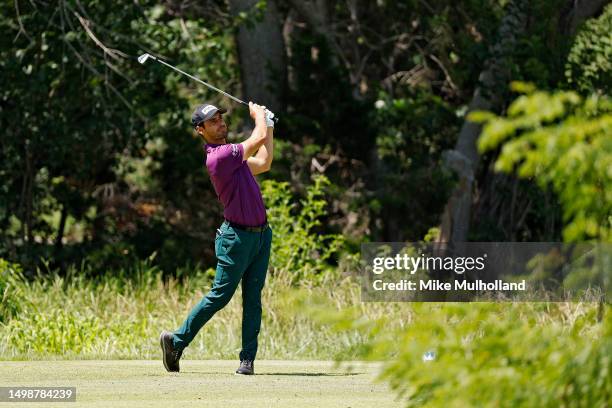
429 356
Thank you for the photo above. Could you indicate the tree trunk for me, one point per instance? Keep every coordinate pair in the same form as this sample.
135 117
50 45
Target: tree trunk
578 11
464 159
261 51
493 80
29 235
60 231
317 15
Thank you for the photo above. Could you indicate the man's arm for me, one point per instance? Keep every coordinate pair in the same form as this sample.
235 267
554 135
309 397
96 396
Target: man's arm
259 135
261 162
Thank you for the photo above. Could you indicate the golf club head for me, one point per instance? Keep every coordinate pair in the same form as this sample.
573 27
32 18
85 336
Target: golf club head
144 57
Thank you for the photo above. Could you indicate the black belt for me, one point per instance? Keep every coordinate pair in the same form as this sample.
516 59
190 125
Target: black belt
259 228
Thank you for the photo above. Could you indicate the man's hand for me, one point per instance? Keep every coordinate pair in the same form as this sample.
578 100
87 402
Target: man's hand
258 137
257 112
269 118
262 160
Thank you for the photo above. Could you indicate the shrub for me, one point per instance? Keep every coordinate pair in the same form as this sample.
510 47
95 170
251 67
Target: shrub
563 141
11 290
589 63
300 252
493 355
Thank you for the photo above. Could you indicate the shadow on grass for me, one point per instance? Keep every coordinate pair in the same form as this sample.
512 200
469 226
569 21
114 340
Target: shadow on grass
314 374
208 373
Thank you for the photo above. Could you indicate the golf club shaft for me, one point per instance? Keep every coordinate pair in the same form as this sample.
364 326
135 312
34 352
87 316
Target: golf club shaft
200 81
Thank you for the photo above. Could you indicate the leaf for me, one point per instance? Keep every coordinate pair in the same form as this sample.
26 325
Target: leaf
522 87
480 116
494 132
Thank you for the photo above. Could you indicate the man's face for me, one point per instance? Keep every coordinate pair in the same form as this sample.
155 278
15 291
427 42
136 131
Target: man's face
214 130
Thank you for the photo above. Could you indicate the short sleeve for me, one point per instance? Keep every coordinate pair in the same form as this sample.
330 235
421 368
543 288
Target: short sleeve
226 159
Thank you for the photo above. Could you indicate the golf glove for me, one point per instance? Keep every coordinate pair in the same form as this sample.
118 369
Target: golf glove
269 118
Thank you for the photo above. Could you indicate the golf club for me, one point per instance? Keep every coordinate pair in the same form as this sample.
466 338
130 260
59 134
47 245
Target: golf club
144 57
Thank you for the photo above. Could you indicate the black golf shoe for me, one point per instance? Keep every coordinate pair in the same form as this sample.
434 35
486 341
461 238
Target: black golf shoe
171 356
247 367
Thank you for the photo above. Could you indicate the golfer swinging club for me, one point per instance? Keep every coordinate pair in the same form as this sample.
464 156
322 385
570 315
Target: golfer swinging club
242 243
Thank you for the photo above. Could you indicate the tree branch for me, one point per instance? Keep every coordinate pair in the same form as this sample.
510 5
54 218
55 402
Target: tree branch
21 27
113 53
578 11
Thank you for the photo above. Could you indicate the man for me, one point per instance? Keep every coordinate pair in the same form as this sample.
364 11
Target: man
242 243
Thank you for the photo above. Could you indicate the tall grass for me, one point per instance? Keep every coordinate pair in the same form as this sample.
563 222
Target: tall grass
120 316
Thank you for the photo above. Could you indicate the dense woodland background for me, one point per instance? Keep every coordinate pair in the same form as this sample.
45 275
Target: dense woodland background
100 164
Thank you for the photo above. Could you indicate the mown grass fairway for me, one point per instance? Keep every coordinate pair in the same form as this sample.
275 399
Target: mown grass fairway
138 383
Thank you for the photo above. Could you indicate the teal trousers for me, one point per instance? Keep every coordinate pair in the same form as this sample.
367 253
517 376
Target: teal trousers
241 256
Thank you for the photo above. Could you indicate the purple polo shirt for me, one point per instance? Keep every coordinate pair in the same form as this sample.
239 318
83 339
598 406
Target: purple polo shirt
234 184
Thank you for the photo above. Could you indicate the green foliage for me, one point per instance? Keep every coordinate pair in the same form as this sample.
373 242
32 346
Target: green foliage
412 133
563 141
539 54
99 139
60 332
493 355
589 62
98 156
12 295
332 118
301 253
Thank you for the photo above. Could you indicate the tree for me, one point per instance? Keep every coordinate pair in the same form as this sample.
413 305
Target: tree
261 52
96 148
564 141
465 159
